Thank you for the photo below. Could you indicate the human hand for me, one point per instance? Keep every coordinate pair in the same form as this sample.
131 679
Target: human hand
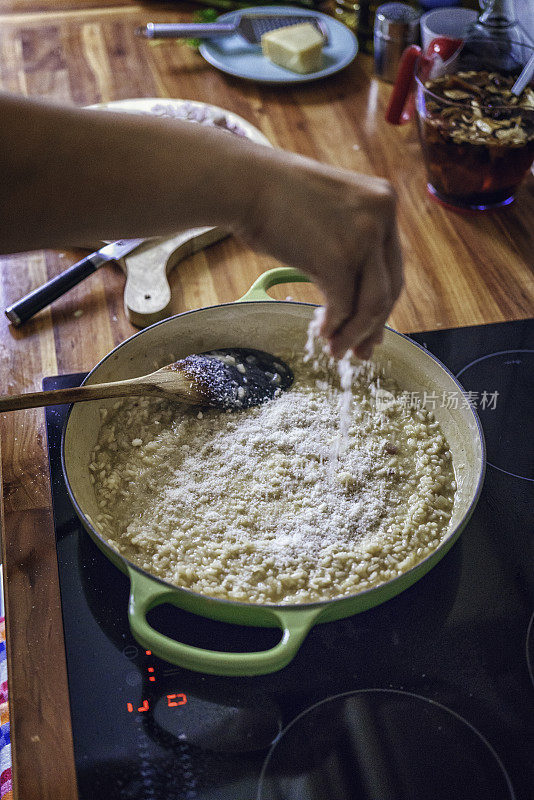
339 227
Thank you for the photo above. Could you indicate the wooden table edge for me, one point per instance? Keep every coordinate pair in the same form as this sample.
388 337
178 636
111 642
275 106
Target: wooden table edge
46 739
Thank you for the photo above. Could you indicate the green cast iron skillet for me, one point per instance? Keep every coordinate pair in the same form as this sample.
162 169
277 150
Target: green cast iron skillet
280 327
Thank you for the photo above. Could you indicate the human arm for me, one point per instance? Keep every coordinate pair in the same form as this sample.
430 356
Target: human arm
72 175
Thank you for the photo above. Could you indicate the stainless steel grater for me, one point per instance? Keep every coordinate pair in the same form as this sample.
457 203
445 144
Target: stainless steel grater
250 26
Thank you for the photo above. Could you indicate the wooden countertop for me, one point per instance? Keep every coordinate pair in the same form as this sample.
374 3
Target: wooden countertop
460 270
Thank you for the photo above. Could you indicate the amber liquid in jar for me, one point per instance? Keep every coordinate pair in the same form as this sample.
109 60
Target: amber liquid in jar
477 138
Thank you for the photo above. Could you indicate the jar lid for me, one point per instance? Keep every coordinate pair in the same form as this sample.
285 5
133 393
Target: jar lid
397 21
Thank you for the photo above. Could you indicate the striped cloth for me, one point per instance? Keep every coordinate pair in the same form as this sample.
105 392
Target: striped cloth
6 784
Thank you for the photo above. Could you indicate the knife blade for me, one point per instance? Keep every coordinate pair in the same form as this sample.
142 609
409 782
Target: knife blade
39 298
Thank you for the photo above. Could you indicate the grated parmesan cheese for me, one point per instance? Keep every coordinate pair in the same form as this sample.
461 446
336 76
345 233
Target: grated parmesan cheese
319 493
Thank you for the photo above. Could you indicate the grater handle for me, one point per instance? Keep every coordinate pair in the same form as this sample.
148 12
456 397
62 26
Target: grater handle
186 30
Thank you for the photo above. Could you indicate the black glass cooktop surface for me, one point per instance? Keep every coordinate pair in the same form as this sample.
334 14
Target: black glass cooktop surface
428 696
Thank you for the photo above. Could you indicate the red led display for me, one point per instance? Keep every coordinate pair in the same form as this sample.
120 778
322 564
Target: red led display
179 699
176 700
144 707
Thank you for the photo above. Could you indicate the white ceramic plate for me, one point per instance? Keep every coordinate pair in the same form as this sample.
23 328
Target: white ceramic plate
233 55
185 109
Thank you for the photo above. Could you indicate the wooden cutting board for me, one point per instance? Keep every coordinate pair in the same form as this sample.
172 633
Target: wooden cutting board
147 294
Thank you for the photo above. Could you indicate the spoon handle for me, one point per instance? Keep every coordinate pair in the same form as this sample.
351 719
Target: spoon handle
173 383
77 394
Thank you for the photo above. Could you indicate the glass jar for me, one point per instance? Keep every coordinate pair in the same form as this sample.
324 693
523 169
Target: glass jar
477 137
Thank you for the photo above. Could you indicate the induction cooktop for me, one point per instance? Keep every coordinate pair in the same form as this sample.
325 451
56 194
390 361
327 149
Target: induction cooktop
429 696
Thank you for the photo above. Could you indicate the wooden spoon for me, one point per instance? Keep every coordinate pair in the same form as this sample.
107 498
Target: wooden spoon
233 378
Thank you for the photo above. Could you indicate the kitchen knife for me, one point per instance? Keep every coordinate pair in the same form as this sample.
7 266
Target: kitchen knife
33 302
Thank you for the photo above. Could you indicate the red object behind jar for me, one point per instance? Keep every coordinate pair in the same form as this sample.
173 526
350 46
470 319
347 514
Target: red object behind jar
400 108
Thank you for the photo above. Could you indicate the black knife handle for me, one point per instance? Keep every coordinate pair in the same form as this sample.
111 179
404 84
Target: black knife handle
41 297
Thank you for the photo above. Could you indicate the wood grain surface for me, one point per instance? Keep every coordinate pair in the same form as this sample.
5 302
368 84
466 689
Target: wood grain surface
460 270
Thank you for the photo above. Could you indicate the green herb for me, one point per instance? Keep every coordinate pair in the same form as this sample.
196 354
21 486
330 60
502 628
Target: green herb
205 15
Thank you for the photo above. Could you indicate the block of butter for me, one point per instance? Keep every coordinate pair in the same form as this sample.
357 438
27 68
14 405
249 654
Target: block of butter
295 47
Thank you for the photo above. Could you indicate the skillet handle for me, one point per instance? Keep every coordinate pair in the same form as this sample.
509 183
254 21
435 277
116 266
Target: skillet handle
146 594
258 290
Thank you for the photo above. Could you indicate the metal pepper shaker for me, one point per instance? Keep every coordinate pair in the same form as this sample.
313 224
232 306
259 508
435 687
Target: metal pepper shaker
396 27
